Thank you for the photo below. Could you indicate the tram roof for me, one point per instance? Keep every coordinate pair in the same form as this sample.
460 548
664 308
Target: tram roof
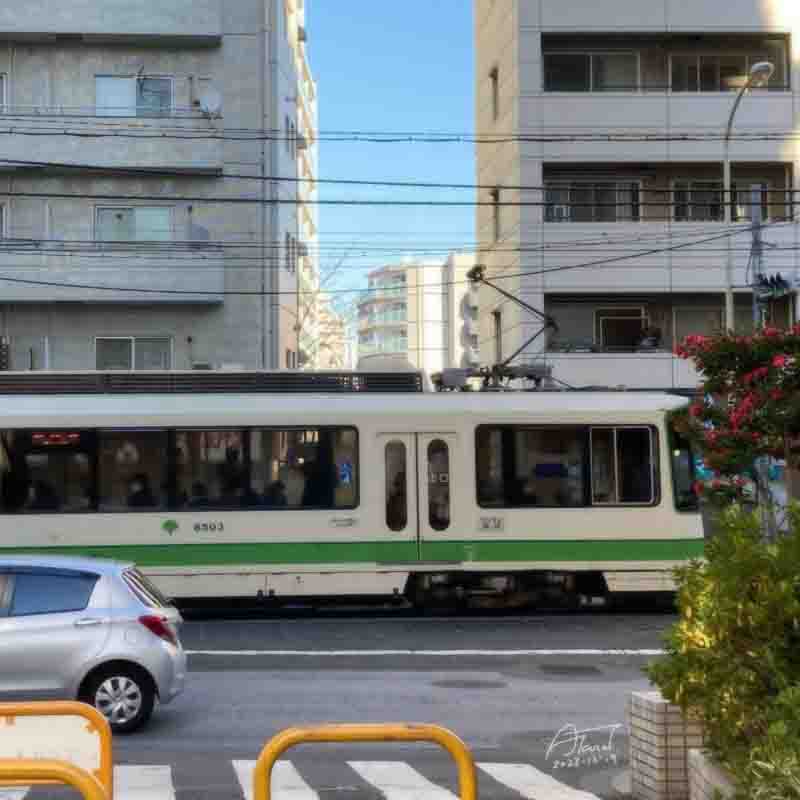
220 410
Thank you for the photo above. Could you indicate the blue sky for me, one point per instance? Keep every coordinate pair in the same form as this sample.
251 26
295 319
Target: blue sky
392 66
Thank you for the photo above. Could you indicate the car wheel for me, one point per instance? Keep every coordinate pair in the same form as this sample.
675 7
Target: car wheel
124 695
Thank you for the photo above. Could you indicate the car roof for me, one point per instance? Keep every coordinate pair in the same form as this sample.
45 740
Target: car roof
77 563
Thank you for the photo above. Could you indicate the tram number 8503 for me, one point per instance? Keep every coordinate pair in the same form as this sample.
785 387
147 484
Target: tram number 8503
209 527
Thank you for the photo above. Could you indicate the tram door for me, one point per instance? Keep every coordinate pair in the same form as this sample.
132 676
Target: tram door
438 467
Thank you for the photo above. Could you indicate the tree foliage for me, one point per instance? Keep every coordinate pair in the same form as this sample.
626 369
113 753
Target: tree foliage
748 406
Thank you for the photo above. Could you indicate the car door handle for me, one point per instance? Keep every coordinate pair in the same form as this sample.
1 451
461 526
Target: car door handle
86 623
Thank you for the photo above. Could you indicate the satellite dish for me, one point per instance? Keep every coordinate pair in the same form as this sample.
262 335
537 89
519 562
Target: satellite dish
210 101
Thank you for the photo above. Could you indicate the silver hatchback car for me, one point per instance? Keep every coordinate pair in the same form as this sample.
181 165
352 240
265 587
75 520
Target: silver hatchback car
91 630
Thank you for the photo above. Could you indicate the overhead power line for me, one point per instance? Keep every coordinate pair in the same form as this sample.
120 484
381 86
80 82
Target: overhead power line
261 293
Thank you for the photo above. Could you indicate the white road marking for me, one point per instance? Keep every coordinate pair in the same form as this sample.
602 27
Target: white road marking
479 653
143 783
16 793
287 783
533 783
399 781
138 782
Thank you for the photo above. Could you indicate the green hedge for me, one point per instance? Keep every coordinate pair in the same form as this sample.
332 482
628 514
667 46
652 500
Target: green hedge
733 658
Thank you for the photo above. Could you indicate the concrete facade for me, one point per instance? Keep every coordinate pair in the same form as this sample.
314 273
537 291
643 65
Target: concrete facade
422 314
121 218
657 79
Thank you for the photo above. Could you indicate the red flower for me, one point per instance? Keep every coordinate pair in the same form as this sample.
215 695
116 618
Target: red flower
695 409
776 394
716 484
780 361
698 487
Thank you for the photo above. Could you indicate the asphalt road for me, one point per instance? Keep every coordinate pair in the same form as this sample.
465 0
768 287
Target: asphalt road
507 685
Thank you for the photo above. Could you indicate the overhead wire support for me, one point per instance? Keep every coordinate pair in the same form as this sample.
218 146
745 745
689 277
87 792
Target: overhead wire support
477 275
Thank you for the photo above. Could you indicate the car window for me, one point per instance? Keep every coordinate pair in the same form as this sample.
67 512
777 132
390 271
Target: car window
49 593
5 594
144 590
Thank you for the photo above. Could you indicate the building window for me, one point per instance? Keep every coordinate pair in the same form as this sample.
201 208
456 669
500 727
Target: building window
2 221
3 90
133 224
582 201
496 221
133 96
620 329
494 79
751 202
725 72
133 353
591 72
497 335
697 201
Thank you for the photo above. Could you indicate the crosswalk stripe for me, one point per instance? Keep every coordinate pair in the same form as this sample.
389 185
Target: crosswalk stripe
533 783
287 782
143 782
13 794
399 781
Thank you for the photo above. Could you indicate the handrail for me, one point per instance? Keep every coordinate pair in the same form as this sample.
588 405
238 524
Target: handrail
16 771
389 732
65 708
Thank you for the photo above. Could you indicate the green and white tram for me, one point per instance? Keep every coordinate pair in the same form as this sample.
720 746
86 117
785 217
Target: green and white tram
216 492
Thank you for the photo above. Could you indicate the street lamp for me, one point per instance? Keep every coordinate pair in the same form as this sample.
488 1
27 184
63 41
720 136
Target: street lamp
760 74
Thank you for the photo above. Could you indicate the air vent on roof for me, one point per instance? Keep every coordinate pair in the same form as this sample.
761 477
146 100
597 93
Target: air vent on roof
209 382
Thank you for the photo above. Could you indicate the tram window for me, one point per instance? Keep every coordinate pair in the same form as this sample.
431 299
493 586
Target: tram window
210 470
132 470
683 473
439 485
531 467
305 469
623 466
396 488
46 471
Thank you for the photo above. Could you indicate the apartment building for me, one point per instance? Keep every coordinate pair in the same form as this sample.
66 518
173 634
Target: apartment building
423 314
603 148
307 247
140 226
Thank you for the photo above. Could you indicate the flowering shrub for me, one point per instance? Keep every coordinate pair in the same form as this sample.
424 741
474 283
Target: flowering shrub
749 407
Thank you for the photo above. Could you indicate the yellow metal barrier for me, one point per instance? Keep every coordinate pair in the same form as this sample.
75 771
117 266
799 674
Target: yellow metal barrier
25 771
62 708
399 732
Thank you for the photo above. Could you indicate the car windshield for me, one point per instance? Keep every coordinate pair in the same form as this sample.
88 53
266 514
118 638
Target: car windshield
144 589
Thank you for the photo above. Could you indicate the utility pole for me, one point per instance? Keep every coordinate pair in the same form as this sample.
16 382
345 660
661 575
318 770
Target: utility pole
756 253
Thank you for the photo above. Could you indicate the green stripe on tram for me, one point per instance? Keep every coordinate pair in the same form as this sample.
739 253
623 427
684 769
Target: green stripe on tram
400 553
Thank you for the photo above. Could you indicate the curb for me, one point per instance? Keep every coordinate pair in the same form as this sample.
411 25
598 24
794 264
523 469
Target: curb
621 784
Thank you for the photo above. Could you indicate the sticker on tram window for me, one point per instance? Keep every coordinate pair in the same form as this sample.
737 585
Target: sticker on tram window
492 524
209 527
438 477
